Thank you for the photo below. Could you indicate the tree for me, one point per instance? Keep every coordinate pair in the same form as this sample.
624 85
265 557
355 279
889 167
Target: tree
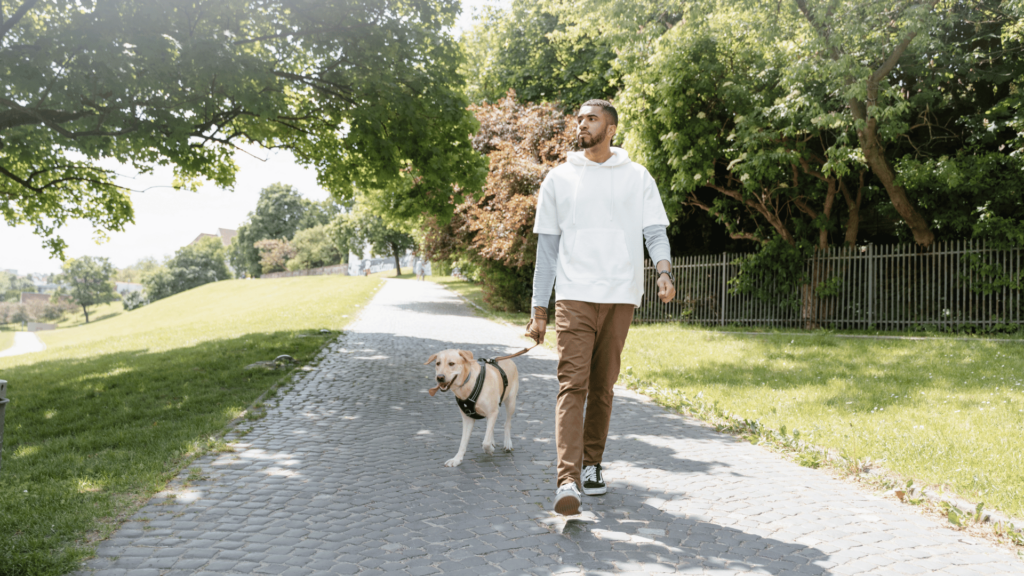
191 266
274 255
495 231
11 287
280 213
314 248
527 49
740 114
365 91
88 282
360 227
136 272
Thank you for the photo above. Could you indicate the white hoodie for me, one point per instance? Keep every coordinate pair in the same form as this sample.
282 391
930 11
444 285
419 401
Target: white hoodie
600 211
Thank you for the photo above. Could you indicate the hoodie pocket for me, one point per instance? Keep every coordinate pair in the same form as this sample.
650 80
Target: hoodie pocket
599 254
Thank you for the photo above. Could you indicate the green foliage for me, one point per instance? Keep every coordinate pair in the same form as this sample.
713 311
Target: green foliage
274 255
528 49
771 273
975 194
134 300
280 213
314 248
136 272
12 286
88 281
365 91
353 230
191 266
506 288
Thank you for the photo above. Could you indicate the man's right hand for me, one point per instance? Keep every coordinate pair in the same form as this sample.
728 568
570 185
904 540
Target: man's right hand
538 325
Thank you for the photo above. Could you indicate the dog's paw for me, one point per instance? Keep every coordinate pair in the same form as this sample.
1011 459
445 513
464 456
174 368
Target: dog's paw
489 448
508 446
453 462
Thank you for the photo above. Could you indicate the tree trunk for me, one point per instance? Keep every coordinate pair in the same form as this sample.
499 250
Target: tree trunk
874 155
398 262
86 312
829 201
853 223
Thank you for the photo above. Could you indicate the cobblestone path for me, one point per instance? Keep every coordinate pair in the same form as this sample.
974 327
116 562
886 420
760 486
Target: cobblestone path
346 476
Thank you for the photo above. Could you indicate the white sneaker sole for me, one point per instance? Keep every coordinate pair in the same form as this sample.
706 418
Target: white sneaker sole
567 505
595 491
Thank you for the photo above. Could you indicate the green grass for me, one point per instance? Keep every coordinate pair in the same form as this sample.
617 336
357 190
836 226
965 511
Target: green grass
6 340
473 291
944 412
110 411
97 313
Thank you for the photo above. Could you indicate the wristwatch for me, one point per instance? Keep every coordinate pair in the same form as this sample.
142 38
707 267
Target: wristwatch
670 276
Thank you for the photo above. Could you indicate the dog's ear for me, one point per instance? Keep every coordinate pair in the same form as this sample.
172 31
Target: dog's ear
466 355
431 359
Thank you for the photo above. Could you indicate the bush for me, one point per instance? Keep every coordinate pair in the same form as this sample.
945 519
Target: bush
274 255
314 248
133 300
507 289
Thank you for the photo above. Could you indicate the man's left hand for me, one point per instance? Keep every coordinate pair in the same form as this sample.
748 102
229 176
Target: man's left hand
666 290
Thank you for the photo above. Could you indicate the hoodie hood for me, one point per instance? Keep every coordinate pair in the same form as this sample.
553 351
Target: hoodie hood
619 157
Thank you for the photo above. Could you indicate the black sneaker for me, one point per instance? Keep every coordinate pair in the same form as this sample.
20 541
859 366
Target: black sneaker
593 481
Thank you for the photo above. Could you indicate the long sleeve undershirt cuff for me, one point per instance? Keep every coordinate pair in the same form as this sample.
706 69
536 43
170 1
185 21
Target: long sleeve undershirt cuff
544 271
656 239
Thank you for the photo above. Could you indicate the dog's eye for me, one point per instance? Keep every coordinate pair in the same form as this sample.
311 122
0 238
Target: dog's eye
451 363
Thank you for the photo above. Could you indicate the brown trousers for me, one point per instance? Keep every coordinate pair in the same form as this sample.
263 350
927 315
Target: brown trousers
590 340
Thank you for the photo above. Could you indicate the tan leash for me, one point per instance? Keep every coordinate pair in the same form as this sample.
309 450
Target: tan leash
520 353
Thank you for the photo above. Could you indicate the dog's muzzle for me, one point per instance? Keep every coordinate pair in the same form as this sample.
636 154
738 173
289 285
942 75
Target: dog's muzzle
442 385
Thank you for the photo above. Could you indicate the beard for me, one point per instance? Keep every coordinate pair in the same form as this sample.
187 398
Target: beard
594 140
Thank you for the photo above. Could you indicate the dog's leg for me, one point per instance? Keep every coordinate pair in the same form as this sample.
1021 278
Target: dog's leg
489 435
510 410
467 428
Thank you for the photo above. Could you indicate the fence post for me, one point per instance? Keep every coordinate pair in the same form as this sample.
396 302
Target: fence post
725 261
871 285
3 405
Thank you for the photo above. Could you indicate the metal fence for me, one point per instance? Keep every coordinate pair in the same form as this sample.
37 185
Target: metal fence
948 285
325 271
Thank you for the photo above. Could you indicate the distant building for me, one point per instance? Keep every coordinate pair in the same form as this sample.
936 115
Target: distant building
224 234
42 283
27 297
123 288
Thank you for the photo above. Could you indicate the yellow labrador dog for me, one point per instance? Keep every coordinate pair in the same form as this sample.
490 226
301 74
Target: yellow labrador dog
478 398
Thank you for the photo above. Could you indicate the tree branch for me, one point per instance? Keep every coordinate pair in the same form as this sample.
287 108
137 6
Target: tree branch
6 26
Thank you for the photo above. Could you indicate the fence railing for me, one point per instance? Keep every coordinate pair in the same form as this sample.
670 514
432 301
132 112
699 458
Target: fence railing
894 287
325 271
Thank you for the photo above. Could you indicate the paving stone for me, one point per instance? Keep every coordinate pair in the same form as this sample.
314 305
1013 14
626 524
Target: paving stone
345 475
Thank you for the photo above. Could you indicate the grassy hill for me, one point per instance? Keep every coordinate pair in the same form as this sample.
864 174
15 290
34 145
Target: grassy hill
112 410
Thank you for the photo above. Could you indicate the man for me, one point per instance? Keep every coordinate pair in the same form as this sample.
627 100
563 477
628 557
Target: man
593 214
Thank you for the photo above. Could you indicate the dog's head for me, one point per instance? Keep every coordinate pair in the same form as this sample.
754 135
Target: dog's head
450 366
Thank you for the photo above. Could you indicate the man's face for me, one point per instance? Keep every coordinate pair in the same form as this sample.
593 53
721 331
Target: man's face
592 126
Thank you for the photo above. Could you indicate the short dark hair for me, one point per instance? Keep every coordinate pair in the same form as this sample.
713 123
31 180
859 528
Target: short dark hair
606 106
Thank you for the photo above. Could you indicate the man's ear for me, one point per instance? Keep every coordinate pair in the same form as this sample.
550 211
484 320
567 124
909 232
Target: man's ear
431 359
466 355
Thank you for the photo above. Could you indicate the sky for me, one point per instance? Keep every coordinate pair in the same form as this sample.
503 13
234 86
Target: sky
167 219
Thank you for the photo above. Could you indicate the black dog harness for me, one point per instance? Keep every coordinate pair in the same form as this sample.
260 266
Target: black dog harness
468 405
